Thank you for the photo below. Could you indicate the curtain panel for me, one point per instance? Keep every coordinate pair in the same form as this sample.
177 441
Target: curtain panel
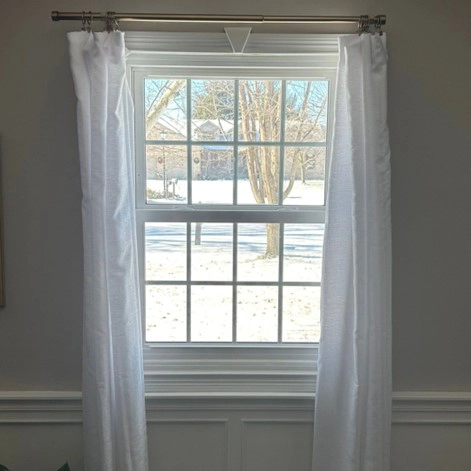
114 425
353 401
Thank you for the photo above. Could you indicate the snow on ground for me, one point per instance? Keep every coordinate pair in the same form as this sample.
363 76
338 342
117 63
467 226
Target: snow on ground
221 191
211 305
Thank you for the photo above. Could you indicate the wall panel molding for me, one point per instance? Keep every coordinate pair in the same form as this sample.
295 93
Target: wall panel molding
173 429
280 454
409 407
423 407
38 407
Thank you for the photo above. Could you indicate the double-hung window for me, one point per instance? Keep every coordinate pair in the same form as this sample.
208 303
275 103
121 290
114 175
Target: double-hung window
231 163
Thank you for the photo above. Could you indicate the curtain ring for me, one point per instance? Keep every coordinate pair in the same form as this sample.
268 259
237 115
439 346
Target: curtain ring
363 24
84 22
89 22
111 22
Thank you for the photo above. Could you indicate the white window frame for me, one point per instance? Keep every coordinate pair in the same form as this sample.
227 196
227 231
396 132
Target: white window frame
274 371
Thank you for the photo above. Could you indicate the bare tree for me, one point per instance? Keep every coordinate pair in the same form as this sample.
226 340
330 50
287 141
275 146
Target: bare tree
260 112
259 118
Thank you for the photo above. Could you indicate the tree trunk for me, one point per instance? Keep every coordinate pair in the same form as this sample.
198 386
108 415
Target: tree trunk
198 228
273 241
303 172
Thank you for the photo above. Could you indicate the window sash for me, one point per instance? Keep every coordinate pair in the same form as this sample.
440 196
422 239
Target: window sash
188 282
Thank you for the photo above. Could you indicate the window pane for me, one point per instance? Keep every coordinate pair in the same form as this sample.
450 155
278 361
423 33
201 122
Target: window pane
211 253
258 175
306 110
213 171
257 314
212 114
166 174
211 313
303 252
253 263
165 251
165 109
301 314
259 110
165 314
230 154
304 175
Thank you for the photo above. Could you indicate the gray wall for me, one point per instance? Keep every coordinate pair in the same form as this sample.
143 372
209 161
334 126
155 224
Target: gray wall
429 117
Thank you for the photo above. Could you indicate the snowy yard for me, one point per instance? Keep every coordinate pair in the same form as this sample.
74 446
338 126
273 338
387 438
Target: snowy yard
256 306
221 191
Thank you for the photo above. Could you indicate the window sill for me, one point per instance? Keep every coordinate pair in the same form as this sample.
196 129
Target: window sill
228 372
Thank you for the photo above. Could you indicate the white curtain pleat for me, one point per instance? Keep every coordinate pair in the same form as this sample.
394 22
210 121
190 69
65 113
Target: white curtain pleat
114 424
353 400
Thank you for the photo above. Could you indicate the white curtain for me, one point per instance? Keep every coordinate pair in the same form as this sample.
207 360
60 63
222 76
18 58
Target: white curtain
353 401
114 425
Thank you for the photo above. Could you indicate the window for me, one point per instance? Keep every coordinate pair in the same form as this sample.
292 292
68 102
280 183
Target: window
230 192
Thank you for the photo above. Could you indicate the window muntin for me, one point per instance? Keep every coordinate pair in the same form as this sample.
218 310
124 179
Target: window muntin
207 274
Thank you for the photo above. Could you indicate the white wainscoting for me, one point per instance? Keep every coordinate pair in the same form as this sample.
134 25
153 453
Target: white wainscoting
41 430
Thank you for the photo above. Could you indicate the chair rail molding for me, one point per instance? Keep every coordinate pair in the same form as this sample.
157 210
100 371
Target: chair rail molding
65 407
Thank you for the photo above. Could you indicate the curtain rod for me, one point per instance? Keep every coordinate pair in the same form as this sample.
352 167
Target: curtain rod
111 18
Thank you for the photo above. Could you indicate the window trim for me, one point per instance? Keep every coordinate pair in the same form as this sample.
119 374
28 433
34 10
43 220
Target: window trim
237 370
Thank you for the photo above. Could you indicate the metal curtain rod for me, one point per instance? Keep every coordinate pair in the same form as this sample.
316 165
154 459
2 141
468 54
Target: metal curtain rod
111 18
